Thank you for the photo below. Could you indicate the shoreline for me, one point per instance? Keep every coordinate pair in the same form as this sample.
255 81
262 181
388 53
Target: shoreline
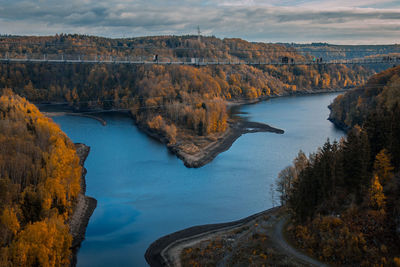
296 93
207 154
340 125
168 250
63 113
156 253
84 208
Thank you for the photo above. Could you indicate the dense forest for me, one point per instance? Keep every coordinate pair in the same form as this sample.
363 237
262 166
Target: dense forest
345 198
171 100
39 182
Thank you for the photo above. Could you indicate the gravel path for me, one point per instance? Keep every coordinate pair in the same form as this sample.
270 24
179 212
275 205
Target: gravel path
280 241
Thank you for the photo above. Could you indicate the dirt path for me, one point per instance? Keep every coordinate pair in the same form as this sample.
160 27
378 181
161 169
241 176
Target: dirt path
280 241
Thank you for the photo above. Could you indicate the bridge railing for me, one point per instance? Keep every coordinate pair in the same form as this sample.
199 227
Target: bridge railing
147 59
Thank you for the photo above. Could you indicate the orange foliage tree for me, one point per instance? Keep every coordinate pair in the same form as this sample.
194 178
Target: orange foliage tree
40 180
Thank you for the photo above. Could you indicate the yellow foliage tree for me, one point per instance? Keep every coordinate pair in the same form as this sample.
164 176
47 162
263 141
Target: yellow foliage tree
45 243
383 166
376 196
9 223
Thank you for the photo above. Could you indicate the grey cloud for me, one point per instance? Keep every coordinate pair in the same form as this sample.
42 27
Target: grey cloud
338 16
151 17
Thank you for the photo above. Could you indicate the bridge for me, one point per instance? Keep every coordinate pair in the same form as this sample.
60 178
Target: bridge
84 59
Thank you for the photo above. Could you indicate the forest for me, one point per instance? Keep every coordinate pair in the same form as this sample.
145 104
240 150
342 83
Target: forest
40 179
332 51
345 198
170 100
380 93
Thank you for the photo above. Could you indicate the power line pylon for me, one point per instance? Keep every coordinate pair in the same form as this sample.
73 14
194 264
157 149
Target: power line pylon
198 33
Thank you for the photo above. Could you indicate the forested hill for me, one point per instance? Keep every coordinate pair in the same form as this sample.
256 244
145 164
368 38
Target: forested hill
332 51
40 179
172 101
167 47
387 55
345 198
380 94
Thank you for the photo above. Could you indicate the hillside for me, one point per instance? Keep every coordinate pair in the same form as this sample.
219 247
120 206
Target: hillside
340 52
184 106
40 183
333 51
345 198
379 93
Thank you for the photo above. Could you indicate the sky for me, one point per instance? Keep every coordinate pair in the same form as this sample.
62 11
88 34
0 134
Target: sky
299 21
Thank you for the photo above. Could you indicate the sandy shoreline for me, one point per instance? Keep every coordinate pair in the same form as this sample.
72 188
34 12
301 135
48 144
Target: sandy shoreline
84 208
236 235
236 129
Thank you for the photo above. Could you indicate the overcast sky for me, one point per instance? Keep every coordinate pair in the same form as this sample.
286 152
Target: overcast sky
301 21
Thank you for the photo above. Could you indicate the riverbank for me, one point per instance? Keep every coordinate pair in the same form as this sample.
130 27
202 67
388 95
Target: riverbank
84 207
255 240
295 93
63 113
339 124
206 154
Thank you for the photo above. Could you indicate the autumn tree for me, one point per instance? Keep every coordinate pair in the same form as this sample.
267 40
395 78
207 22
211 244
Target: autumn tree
376 197
383 166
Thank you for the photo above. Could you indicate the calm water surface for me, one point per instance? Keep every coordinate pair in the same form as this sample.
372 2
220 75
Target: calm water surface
144 192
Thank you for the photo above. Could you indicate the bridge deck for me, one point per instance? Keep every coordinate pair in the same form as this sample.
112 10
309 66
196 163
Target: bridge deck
198 63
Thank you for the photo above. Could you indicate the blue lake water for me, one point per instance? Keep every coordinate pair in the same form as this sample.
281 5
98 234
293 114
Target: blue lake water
144 192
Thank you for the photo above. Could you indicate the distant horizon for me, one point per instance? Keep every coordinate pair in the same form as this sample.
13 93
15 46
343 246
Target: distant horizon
341 22
194 35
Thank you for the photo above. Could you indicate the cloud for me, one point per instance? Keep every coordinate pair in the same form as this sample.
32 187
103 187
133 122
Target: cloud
339 21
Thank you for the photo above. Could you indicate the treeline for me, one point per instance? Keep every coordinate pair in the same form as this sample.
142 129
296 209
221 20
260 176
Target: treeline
332 51
39 183
166 47
345 198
